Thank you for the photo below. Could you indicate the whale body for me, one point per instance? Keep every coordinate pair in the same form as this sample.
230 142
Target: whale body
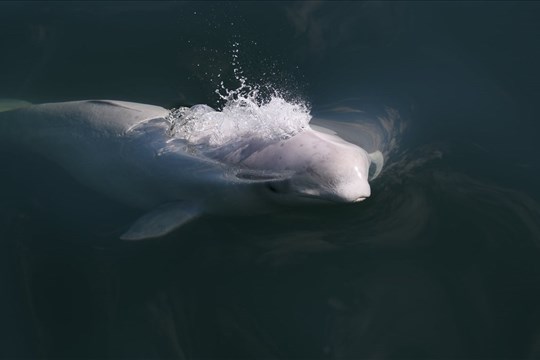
126 151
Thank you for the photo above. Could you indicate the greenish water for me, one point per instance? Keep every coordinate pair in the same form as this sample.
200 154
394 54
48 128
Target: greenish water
442 261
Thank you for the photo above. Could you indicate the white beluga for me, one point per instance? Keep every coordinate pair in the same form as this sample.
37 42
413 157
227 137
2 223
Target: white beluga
175 169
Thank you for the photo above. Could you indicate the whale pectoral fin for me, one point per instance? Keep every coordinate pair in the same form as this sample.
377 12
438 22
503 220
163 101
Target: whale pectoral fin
377 162
162 221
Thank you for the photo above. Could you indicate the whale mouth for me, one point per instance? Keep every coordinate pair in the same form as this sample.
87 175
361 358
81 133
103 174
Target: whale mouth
330 199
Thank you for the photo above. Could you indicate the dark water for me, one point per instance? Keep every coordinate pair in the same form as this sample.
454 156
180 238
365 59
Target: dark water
443 261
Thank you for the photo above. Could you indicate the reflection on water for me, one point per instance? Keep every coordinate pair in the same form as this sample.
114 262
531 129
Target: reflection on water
441 262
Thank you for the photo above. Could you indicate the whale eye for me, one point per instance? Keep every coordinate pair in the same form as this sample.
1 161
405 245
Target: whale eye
272 187
278 187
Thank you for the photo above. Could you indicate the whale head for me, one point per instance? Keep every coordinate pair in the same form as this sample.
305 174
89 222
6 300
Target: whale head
322 168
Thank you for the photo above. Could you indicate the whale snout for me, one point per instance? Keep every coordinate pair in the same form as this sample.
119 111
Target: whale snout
352 192
347 194
336 195
351 199
345 190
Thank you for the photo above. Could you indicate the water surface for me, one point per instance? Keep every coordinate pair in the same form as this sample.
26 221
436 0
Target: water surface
441 262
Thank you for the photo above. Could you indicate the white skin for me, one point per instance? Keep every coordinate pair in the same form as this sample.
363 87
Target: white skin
324 166
310 167
123 150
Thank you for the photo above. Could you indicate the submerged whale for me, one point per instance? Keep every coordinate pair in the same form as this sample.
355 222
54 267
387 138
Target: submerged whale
127 152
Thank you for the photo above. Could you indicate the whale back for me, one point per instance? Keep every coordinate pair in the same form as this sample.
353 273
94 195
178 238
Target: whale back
68 132
101 116
88 139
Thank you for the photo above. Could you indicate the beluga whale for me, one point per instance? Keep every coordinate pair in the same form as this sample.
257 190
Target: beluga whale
177 165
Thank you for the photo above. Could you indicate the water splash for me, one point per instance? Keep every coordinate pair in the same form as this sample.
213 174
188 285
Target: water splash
247 113
261 113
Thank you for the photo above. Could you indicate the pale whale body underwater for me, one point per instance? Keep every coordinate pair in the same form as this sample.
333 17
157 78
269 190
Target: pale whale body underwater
130 152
